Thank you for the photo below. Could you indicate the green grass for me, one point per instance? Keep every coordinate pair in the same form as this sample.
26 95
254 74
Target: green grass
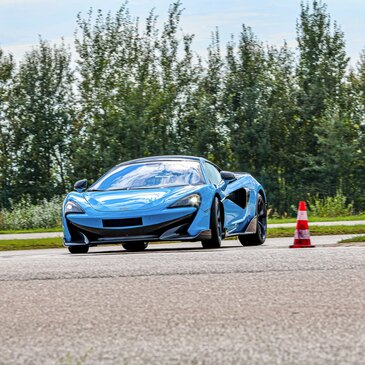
355 239
357 217
28 244
318 231
33 230
6 245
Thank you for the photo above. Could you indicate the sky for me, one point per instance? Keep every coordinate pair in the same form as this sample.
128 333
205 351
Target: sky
273 21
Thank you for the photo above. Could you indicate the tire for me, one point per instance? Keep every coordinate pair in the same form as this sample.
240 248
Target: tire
135 246
215 226
258 238
78 249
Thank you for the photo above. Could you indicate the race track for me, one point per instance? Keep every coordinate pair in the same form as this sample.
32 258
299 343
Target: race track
179 304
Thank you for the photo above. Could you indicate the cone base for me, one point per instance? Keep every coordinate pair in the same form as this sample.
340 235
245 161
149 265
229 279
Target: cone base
302 246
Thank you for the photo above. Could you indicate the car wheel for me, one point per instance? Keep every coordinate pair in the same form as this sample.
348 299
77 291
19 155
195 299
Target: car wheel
78 249
216 226
135 246
259 237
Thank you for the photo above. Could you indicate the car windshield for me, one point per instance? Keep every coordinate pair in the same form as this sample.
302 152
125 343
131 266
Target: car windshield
150 175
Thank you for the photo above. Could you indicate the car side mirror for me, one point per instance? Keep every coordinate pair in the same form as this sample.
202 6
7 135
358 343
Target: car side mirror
80 185
228 176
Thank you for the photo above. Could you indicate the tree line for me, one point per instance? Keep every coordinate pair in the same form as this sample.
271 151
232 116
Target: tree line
294 118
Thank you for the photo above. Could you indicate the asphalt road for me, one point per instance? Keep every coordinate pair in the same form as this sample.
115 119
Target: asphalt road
179 304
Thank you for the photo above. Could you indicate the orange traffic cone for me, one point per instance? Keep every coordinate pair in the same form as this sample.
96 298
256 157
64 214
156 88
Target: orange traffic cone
302 237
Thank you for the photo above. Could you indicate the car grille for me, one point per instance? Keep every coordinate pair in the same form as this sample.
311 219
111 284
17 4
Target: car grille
129 222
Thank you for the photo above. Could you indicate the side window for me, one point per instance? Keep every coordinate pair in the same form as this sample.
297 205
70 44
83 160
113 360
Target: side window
213 174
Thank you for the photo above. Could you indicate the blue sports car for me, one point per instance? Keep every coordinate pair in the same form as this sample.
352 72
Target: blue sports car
164 198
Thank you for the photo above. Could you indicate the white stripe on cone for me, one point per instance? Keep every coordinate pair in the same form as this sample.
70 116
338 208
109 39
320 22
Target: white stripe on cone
302 234
302 215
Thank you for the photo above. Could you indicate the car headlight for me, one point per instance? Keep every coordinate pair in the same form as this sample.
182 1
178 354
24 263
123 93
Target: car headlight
192 200
72 207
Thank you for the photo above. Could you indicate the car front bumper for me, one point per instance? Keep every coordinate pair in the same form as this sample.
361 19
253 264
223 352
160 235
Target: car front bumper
183 224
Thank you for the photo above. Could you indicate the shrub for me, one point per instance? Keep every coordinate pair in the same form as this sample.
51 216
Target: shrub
331 206
25 215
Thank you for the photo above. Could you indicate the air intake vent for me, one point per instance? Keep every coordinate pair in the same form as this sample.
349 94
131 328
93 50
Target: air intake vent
129 222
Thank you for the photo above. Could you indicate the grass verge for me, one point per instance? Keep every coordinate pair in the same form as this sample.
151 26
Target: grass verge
318 231
27 244
30 244
354 240
34 230
358 217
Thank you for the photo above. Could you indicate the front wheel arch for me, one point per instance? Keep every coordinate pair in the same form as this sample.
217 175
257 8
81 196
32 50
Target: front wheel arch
261 192
221 206
215 219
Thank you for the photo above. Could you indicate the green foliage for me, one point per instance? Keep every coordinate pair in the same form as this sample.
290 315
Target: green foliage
6 167
138 89
320 98
25 215
322 62
203 124
135 86
356 109
245 101
40 115
330 206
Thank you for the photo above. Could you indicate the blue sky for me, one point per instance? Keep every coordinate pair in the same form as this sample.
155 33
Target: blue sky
21 21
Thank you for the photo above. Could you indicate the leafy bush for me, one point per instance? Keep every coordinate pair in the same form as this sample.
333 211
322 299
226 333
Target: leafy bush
331 206
24 215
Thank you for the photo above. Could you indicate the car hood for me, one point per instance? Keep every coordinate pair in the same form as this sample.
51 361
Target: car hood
130 200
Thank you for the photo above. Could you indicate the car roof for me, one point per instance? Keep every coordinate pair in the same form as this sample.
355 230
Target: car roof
168 158
162 158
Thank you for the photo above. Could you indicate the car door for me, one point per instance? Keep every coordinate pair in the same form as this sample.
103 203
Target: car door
237 195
